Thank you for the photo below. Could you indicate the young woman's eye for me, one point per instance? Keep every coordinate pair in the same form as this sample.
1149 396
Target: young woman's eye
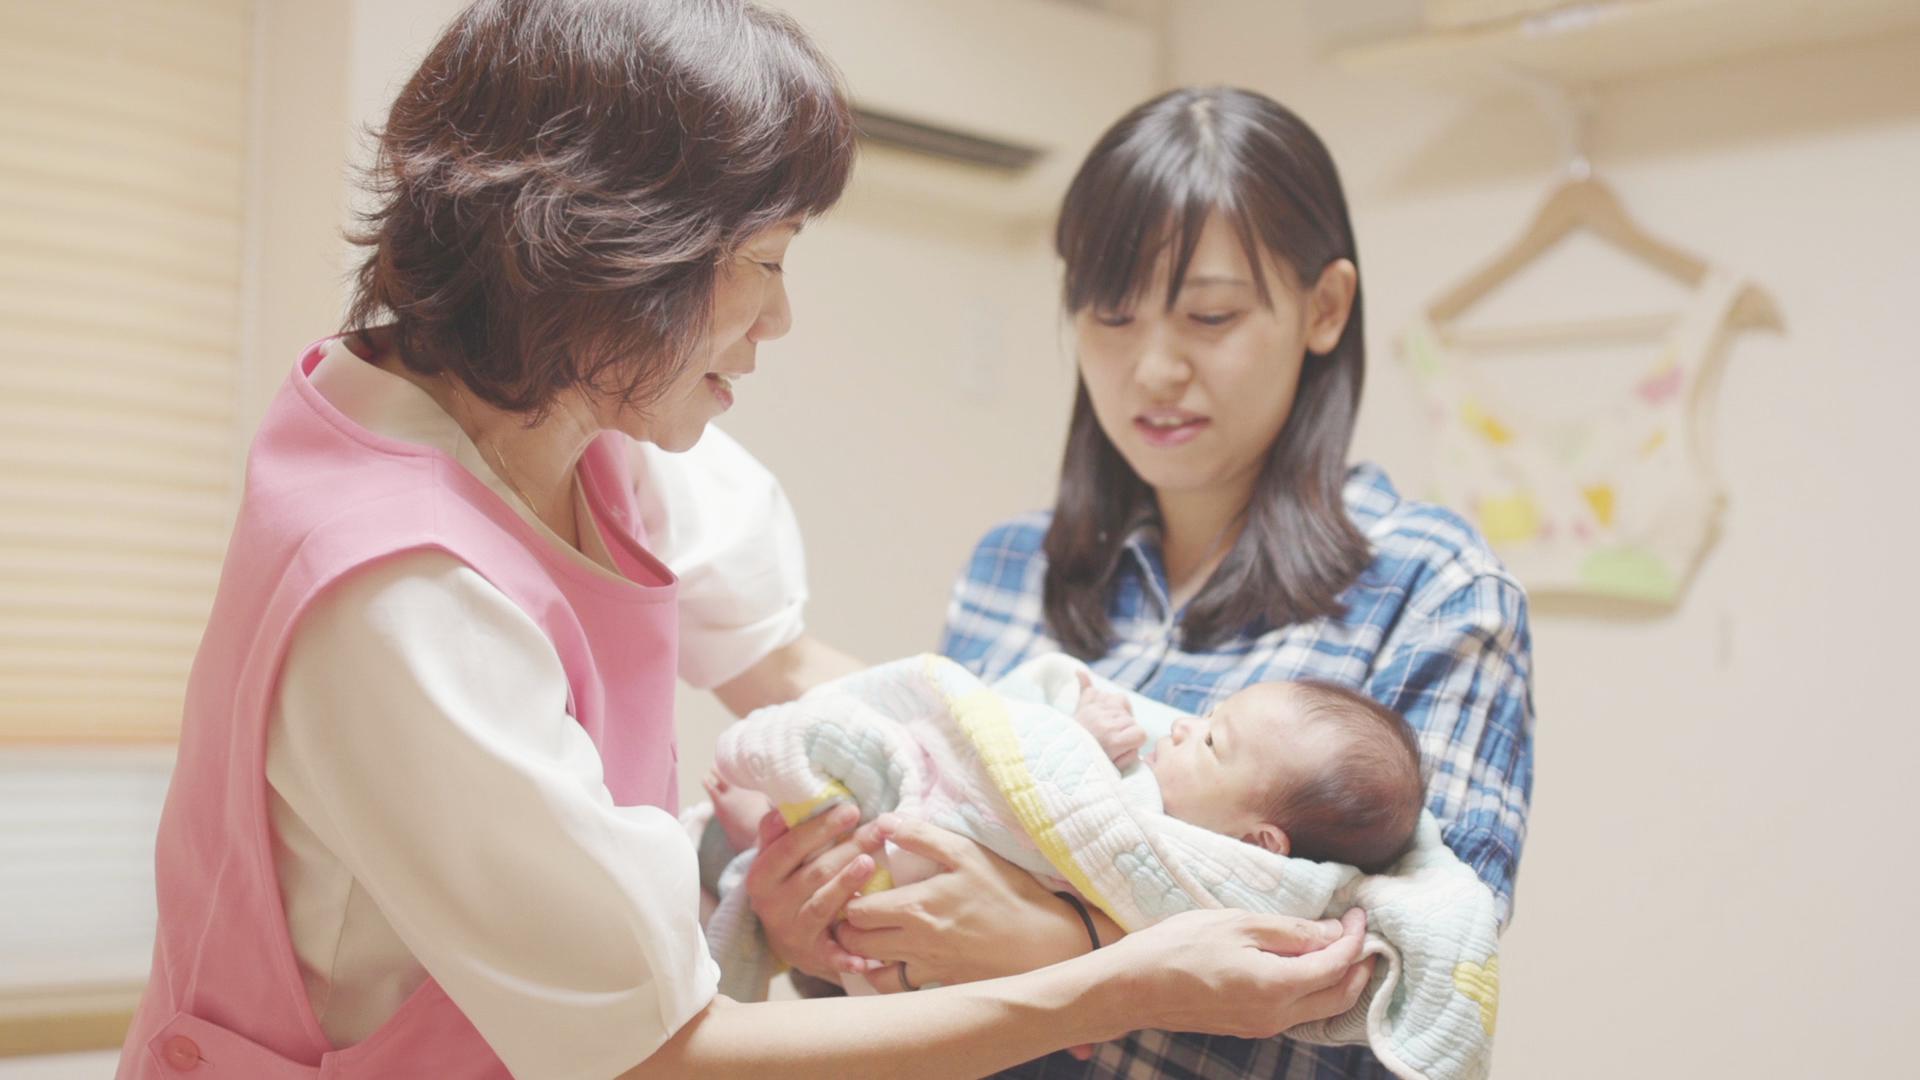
775 267
1112 318
1214 318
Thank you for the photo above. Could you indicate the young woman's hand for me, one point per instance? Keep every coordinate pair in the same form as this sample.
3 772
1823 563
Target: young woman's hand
978 918
802 879
1242 974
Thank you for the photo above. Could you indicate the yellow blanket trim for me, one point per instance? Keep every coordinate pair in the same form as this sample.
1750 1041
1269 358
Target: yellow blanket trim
797 812
1481 985
983 716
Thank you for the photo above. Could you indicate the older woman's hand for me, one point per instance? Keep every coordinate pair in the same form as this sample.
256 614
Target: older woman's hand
801 880
978 918
1247 975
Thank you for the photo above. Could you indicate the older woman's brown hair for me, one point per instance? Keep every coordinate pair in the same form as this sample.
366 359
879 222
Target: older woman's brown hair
560 180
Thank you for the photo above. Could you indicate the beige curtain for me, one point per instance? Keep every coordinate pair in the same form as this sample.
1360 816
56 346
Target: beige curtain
122 163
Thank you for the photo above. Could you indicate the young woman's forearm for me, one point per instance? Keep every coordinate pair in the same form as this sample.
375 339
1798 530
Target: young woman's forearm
958 1031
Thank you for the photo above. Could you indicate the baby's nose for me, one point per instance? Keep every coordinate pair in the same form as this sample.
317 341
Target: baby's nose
1181 729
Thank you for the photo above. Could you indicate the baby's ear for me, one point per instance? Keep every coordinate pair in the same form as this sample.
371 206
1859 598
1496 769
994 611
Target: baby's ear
1269 836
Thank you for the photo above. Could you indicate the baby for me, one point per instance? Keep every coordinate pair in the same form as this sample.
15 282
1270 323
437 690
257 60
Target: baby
1307 769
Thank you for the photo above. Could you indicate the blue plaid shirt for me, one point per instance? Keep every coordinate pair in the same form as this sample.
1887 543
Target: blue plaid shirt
1435 629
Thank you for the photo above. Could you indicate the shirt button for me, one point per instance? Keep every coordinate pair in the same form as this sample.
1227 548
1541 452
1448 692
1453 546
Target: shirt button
180 1053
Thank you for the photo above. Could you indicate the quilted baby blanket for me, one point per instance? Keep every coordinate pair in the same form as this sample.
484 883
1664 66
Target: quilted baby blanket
1006 765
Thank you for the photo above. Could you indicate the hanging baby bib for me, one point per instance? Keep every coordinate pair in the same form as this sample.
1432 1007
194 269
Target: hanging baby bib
1619 503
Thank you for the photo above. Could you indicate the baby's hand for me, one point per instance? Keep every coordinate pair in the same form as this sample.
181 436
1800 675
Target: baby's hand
1110 718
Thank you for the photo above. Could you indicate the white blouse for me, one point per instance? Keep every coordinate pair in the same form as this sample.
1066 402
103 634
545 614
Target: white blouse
437 810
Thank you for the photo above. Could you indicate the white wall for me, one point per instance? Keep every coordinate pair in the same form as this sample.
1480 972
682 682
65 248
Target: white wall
1721 791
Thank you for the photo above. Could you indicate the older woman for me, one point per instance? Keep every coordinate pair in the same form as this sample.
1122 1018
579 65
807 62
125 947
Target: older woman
420 824
1209 534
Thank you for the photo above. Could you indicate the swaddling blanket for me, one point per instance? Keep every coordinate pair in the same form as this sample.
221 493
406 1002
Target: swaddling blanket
1007 766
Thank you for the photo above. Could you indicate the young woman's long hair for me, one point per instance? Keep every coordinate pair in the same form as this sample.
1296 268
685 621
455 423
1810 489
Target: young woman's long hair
1144 193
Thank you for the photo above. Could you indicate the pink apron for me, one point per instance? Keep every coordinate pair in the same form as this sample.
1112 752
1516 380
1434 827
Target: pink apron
324 496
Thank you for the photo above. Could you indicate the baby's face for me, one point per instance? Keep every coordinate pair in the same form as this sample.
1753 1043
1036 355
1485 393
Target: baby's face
1219 770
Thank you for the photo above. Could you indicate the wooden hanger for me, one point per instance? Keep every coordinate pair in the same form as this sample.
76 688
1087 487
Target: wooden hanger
1583 202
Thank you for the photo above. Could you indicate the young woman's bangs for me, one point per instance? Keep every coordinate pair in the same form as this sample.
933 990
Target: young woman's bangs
1116 245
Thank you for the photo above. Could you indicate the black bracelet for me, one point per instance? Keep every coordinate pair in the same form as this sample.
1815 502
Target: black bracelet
1086 919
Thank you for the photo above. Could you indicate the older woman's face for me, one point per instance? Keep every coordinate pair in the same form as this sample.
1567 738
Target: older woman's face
1193 396
749 307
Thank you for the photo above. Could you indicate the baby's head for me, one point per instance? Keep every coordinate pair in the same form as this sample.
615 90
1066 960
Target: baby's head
1307 769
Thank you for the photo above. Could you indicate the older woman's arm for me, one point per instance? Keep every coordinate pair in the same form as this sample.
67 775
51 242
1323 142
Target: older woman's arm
785 674
416 700
1218 971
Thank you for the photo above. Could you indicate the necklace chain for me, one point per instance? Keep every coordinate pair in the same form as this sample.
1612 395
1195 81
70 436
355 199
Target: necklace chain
500 465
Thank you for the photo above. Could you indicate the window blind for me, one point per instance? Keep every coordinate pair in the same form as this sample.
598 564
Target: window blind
122 167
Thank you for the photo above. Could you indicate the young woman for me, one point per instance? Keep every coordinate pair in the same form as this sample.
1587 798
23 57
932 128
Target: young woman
421 819
1209 534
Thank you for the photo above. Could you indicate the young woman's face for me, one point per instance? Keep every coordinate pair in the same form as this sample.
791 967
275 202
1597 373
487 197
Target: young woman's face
1193 396
749 307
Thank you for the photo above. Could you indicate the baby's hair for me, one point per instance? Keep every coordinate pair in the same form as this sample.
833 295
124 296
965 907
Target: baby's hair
1362 808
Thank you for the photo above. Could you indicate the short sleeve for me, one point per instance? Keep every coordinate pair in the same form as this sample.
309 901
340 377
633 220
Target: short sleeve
720 520
421 735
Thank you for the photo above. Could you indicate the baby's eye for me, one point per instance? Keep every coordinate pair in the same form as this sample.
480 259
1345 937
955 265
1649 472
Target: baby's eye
1209 738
